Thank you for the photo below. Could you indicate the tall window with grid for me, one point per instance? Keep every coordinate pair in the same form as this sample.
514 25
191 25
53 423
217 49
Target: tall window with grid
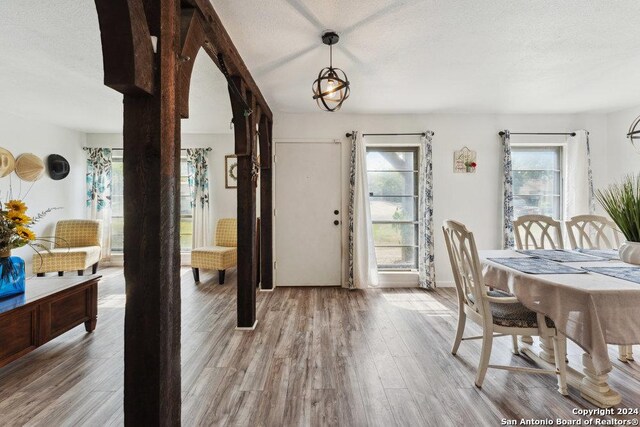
117 205
393 196
537 181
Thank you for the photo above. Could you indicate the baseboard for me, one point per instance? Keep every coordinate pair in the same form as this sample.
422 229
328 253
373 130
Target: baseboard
252 328
445 284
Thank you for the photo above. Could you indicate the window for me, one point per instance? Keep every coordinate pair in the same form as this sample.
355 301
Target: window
117 204
393 196
537 180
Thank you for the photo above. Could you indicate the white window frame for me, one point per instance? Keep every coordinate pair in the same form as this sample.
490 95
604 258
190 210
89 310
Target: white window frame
183 157
414 147
563 164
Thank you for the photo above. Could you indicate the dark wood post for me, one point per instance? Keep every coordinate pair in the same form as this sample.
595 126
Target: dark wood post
266 205
246 195
151 234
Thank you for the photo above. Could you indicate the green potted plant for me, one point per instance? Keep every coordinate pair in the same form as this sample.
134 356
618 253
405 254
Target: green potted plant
622 202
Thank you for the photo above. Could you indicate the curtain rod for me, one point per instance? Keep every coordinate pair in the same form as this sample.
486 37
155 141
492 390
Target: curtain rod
121 149
501 133
349 135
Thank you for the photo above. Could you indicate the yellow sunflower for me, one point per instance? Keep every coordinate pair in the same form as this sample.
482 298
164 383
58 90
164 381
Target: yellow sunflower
16 205
25 233
18 217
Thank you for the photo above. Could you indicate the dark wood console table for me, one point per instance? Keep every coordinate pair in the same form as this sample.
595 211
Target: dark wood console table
48 308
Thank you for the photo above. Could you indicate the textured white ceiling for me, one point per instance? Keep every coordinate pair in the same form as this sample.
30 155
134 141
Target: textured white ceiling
415 56
403 56
51 70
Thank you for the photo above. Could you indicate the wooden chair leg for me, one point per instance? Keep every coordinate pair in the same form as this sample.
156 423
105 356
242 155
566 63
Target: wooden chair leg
221 277
462 320
487 343
196 274
80 272
514 339
560 349
40 274
60 273
94 268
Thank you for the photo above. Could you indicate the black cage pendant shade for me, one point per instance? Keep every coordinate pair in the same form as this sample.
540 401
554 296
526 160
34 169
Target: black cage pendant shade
634 134
331 88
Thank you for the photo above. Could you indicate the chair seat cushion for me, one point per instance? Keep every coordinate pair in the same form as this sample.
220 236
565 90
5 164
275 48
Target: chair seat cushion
512 315
214 257
65 259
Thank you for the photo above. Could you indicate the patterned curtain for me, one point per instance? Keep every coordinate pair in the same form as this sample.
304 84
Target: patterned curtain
352 198
426 265
508 241
198 169
99 192
363 269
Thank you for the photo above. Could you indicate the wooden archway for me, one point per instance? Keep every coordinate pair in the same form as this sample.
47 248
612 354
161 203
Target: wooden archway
148 51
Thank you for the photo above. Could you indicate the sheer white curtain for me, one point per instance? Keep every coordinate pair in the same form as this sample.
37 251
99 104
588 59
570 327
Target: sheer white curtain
579 193
363 270
199 186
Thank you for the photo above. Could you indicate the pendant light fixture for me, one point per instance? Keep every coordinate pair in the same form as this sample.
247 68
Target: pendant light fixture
634 134
331 88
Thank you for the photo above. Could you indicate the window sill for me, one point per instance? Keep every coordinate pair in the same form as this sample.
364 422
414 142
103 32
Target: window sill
398 279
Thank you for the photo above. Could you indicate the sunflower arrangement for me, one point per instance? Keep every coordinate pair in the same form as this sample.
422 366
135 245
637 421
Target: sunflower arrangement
15 230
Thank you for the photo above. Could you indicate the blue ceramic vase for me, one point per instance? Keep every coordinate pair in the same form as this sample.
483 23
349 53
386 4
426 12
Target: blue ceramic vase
11 276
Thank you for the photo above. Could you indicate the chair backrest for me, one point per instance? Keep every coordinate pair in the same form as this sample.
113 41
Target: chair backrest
537 232
593 232
227 232
74 233
466 267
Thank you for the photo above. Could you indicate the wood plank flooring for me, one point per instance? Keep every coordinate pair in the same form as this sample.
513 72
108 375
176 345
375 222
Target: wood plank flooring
320 356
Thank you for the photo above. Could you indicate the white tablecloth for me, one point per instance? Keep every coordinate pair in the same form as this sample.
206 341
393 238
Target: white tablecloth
591 309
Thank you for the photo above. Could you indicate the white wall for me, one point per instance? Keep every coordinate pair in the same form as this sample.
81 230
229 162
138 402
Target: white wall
223 201
621 157
475 199
20 135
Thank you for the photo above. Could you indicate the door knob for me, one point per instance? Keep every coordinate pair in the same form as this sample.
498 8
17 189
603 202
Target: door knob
336 212
336 222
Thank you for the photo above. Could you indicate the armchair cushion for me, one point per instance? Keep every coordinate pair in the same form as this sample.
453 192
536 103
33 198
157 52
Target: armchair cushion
214 257
66 259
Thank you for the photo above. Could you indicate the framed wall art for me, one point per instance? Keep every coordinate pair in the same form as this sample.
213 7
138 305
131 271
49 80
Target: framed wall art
231 171
464 161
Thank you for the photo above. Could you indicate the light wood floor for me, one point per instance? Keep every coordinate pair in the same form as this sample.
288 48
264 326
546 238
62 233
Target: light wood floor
321 356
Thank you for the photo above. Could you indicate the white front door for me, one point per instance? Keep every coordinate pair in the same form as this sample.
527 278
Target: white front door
308 205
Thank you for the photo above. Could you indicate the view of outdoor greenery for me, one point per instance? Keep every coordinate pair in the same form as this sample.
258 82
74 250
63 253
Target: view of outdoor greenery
537 181
392 178
117 206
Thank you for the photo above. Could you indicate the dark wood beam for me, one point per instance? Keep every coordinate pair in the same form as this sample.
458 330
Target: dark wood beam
246 209
218 41
266 205
192 39
151 234
127 51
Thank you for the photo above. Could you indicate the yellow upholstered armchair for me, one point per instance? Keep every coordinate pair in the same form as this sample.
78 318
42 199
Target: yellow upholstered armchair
77 247
221 256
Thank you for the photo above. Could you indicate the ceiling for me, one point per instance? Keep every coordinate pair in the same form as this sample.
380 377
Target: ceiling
403 56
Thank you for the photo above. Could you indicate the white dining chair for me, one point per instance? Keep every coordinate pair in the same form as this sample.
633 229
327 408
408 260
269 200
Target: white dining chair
592 232
597 232
499 313
537 232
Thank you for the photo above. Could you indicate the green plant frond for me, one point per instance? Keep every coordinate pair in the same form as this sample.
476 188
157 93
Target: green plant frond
622 202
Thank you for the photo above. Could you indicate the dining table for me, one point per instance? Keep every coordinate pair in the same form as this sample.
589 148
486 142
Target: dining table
587 304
